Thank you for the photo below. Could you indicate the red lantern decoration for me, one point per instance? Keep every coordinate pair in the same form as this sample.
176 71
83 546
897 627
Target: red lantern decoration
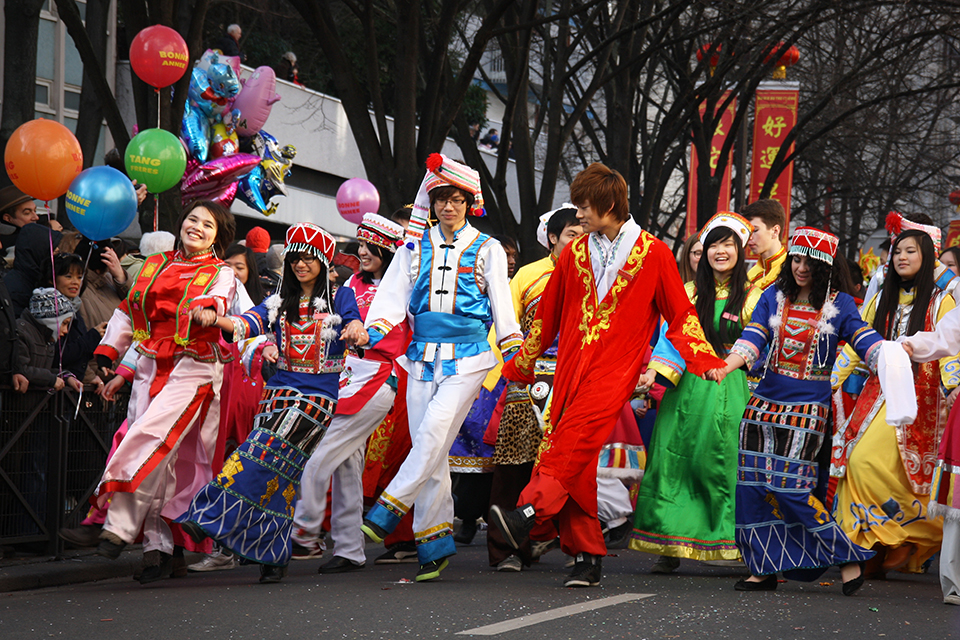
159 56
788 58
713 50
954 198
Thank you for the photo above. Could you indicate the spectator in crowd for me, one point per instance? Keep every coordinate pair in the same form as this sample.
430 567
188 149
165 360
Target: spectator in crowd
512 250
32 265
474 132
76 348
244 263
40 326
229 43
258 241
9 363
288 69
16 210
690 258
150 243
106 283
491 140
270 276
402 216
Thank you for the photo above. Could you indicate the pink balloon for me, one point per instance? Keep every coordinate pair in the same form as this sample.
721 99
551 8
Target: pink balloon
223 195
356 197
217 173
255 101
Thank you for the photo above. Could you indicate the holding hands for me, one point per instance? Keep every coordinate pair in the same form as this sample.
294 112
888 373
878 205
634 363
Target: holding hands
354 334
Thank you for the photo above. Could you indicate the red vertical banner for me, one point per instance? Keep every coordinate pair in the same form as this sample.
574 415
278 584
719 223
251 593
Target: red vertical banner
953 235
719 137
775 116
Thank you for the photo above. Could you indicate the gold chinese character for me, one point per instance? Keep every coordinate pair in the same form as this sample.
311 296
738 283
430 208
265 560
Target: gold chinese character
773 191
767 156
719 130
774 126
714 157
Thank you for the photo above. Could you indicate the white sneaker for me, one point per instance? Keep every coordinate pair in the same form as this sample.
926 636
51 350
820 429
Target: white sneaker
510 564
217 561
951 599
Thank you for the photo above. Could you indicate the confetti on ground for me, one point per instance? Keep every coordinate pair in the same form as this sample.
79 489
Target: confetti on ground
826 584
106 619
874 609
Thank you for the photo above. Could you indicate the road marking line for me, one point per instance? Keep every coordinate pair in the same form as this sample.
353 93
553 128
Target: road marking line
552 614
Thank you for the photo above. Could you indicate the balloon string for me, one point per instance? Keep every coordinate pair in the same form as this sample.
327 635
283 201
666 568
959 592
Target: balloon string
158 111
156 210
56 307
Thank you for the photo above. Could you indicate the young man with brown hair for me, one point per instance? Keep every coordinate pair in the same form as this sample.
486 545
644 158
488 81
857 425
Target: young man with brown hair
603 301
769 220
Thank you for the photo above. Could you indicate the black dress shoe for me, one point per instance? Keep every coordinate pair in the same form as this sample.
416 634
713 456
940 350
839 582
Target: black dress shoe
850 586
270 574
767 584
195 531
156 566
340 565
468 531
111 546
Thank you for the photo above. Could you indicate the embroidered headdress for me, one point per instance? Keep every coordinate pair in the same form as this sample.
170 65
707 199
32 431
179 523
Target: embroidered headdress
815 243
542 237
305 236
740 226
376 229
897 224
442 172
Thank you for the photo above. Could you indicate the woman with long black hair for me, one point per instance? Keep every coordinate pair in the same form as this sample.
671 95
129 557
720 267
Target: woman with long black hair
368 389
780 525
690 479
248 508
886 470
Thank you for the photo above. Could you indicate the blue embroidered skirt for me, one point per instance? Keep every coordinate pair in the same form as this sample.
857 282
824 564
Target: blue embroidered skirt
248 508
780 525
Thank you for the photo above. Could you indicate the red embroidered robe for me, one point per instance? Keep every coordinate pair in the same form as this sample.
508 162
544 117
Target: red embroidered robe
600 351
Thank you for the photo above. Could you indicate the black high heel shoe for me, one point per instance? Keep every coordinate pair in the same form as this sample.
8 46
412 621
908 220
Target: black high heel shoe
767 584
850 587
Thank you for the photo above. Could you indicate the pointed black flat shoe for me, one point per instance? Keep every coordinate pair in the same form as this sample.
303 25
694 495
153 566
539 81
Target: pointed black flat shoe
767 584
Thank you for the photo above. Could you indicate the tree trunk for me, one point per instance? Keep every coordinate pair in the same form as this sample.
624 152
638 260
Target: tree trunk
21 29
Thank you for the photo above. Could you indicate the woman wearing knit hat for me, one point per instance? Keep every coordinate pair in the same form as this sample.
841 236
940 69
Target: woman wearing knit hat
165 457
249 507
367 391
780 525
453 283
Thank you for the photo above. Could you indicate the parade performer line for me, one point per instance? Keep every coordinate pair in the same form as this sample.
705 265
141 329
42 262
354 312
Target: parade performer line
552 614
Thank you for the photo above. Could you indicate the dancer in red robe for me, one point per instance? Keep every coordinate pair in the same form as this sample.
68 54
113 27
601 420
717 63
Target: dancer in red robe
604 300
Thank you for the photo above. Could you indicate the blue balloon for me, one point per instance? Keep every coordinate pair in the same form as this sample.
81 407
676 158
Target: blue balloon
101 203
251 190
195 131
198 84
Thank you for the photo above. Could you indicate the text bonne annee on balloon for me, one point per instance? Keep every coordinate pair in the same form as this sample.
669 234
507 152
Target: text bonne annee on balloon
350 207
174 59
138 164
81 203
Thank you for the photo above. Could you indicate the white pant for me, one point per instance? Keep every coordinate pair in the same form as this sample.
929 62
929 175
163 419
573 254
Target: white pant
613 501
340 456
950 558
128 511
436 410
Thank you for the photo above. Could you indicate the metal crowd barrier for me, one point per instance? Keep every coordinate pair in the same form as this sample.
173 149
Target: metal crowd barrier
52 454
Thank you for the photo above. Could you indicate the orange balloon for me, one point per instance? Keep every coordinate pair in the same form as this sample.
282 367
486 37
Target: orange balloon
42 158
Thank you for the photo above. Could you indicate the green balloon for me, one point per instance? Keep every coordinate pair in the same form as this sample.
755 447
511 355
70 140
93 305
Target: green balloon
155 158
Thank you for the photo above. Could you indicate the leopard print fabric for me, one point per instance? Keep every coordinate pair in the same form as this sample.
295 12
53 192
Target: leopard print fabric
518 438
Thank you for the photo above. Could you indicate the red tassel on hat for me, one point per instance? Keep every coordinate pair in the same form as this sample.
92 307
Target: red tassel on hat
434 162
893 223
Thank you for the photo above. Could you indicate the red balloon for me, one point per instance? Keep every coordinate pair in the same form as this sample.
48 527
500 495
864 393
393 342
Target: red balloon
159 56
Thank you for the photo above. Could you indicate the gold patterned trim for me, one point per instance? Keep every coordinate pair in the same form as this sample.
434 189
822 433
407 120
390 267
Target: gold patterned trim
596 319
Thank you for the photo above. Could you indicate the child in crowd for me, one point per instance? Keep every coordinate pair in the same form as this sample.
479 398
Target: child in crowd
40 326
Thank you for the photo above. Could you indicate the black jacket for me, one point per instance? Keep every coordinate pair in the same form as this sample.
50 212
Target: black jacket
31 264
36 352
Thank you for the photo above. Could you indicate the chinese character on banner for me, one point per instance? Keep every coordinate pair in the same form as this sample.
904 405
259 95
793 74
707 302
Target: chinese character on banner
724 124
953 235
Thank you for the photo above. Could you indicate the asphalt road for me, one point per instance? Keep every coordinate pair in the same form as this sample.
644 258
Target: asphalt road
697 602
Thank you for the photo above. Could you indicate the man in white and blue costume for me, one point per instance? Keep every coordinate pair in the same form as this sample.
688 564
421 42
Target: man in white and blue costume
452 281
